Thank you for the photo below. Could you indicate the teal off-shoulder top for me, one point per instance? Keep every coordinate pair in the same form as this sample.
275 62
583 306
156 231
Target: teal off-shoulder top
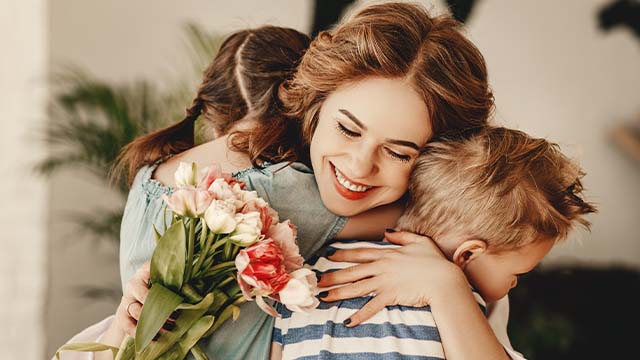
289 188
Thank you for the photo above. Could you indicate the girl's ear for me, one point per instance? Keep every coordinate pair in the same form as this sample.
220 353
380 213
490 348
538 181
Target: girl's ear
468 251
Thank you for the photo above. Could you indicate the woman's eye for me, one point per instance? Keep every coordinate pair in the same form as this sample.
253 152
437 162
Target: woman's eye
395 155
346 132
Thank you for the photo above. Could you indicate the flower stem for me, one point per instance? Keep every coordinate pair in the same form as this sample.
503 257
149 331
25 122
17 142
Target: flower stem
190 246
204 251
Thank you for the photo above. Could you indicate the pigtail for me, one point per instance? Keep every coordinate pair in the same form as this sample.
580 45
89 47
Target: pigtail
148 149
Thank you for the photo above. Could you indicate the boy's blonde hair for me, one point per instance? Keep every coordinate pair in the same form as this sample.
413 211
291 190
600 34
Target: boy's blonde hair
500 185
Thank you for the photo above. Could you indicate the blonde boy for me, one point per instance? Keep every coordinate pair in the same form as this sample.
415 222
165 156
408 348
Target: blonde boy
495 204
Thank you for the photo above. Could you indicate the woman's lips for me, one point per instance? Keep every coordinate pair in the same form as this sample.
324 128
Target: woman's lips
346 193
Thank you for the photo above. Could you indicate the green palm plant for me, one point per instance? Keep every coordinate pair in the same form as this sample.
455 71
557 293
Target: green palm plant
91 120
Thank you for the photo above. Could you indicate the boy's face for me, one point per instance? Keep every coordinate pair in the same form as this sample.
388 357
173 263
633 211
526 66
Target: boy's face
493 274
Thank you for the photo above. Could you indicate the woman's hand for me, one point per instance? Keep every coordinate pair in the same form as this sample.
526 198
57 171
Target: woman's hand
135 293
415 274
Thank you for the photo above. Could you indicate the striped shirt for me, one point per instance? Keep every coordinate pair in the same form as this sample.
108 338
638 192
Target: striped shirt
396 332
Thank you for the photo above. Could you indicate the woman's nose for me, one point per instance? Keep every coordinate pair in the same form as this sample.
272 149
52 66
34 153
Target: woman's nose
362 163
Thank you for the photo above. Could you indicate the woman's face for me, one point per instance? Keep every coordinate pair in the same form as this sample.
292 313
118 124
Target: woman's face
368 136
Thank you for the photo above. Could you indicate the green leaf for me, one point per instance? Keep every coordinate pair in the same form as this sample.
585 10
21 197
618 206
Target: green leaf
157 308
198 353
86 347
231 311
156 234
189 339
168 260
187 317
127 349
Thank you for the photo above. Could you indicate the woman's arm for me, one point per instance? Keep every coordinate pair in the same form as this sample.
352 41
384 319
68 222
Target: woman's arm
417 274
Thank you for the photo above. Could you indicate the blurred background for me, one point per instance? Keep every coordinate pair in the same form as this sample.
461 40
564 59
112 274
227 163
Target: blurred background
79 79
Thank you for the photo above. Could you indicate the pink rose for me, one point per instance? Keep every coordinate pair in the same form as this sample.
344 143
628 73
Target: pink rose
189 202
299 293
261 270
284 234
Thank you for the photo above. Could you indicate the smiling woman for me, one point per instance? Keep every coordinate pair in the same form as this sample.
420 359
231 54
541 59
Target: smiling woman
363 99
366 140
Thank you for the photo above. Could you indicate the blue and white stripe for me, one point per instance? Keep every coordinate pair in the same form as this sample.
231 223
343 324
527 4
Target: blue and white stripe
397 332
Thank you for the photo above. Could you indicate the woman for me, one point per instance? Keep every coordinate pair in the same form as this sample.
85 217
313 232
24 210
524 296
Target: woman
367 96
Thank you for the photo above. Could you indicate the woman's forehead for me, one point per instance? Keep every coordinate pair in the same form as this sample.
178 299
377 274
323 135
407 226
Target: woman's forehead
386 107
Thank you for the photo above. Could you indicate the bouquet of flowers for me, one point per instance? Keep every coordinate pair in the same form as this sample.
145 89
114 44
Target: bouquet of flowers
224 246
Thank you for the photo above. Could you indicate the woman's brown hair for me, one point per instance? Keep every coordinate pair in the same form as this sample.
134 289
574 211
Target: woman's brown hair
395 40
241 82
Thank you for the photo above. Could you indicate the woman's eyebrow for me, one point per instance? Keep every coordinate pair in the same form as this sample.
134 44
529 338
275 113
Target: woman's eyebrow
353 118
403 143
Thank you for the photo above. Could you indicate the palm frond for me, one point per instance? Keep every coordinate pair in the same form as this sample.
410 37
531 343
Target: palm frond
91 120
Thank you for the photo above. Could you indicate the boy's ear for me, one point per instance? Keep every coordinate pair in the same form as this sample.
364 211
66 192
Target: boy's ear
468 251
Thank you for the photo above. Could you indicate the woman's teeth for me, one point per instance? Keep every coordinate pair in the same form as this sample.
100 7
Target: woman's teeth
344 182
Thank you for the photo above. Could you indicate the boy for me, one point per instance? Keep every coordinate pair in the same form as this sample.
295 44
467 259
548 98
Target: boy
495 204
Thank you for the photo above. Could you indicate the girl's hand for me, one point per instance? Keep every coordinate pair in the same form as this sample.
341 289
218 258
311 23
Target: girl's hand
416 274
135 293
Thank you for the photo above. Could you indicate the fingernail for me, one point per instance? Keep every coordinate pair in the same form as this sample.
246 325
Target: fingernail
347 322
169 326
389 230
323 294
156 337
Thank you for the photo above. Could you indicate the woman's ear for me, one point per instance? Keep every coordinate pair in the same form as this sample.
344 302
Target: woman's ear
468 251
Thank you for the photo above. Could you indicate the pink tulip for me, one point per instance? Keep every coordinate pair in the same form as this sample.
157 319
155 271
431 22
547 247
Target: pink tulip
189 202
268 216
299 293
284 235
261 270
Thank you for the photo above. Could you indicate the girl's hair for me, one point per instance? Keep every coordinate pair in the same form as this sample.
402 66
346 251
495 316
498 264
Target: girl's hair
395 40
240 83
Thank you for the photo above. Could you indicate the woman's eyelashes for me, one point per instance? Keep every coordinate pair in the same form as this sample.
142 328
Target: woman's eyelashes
352 134
346 132
400 157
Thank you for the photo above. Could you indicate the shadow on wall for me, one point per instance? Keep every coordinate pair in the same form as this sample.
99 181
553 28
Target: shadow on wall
576 312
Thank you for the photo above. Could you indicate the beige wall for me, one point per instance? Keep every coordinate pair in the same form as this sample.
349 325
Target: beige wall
553 74
556 75
23 66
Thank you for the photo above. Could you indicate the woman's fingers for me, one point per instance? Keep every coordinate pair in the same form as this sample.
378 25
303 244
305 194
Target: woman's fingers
371 308
138 285
347 275
134 309
358 255
126 321
357 289
405 238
